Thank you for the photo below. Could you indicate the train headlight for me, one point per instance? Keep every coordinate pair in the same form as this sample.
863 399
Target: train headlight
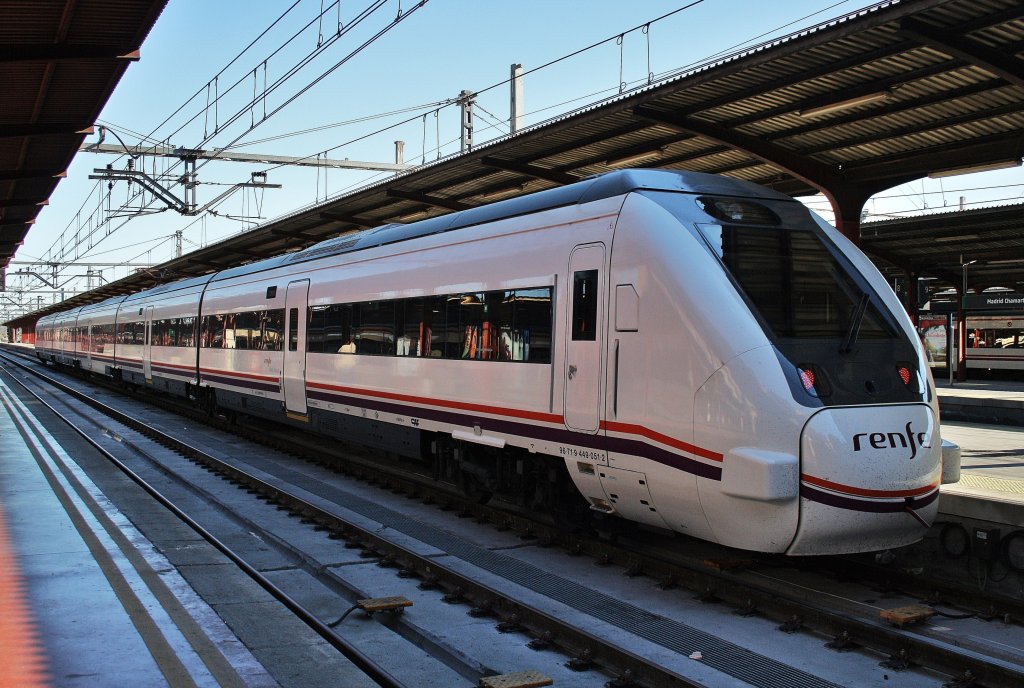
813 380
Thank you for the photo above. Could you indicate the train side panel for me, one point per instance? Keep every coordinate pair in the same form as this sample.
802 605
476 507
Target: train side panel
241 342
97 343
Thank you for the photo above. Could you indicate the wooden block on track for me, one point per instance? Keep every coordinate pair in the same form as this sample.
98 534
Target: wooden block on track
901 616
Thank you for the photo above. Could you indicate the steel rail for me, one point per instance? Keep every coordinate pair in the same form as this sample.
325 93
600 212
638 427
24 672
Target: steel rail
372 669
744 594
574 642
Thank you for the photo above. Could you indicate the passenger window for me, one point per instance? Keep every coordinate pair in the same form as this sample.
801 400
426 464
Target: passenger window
293 329
273 327
416 319
316 326
531 336
471 325
375 334
584 306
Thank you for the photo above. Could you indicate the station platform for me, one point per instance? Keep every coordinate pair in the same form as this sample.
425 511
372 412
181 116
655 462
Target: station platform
997 402
85 599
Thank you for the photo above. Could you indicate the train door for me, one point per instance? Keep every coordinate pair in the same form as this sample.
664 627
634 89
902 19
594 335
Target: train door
585 336
88 347
295 347
147 347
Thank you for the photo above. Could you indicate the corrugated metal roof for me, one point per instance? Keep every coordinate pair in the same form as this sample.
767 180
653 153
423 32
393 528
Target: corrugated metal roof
851 107
59 63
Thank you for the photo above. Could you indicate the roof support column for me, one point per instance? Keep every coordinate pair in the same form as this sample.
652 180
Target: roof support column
847 201
910 298
961 342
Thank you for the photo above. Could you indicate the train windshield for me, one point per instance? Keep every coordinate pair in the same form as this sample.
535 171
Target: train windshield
796 284
842 344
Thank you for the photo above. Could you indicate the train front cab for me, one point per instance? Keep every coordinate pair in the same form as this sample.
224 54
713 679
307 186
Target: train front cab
814 422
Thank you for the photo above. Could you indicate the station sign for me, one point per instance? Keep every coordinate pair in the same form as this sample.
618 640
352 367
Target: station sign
1000 300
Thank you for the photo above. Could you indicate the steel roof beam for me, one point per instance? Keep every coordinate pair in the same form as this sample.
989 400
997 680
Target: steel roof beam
294 234
530 170
898 132
51 52
348 219
919 163
881 111
1006 66
45 129
815 173
436 201
15 175
22 202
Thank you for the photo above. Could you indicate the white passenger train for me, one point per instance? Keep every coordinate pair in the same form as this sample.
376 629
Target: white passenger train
687 351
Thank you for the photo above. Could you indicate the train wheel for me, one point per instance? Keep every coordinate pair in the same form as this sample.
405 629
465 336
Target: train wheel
473 487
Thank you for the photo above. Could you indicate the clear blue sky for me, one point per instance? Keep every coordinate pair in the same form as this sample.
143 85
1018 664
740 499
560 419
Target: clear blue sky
435 52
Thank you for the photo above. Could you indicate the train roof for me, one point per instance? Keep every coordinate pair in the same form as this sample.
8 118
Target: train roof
171 286
592 189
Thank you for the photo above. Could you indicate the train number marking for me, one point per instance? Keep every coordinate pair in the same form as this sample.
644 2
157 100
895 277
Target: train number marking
580 453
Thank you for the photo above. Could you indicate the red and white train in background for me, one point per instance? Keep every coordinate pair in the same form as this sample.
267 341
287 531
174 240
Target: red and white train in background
687 351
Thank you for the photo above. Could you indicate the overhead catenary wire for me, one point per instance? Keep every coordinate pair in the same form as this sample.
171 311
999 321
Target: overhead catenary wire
341 31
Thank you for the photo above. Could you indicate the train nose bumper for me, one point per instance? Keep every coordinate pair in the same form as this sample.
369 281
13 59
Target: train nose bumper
869 478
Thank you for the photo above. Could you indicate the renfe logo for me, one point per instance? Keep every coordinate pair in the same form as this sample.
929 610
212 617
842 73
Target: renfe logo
891 440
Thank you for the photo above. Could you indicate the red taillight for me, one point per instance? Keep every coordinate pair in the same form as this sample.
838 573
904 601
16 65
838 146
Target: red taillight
905 374
814 381
807 378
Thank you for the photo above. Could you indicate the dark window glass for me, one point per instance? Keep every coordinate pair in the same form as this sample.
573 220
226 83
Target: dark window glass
584 305
471 320
531 334
451 334
432 331
794 282
247 330
229 330
513 325
187 333
415 333
315 326
213 331
505 324
375 333
273 329
293 329
340 338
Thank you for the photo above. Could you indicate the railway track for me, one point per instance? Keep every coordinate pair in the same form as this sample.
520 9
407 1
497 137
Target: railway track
749 587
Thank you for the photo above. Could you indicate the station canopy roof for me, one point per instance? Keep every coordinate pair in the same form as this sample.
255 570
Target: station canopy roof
886 95
59 62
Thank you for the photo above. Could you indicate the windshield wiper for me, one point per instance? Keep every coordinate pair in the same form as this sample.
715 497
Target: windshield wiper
855 321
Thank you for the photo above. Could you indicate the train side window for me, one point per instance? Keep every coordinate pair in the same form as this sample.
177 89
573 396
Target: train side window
247 330
403 343
584 305
375 334
431 330
187 334
471 327
273 329
229 331
316 326
450 340
293 329
531 333
415 323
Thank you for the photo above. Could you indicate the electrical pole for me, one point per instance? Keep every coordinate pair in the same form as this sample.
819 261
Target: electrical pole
399 154
466 101
515 119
